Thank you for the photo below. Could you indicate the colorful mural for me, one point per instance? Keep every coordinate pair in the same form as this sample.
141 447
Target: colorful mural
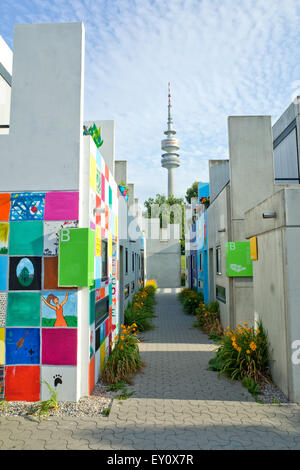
38 309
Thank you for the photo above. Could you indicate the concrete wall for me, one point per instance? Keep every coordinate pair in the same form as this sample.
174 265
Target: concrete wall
218 176
163 256
6 58
45 138
276 282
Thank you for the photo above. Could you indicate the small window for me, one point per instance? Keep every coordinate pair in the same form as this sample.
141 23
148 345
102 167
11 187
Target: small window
221 293
126 260
132 261
132 286
200 262
104 258
218 260
126 291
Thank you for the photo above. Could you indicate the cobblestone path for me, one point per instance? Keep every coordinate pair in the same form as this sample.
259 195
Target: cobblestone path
177 403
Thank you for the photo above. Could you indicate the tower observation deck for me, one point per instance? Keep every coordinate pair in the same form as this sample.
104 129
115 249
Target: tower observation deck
170 145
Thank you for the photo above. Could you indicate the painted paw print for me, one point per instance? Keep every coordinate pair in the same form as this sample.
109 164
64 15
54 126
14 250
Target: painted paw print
57 379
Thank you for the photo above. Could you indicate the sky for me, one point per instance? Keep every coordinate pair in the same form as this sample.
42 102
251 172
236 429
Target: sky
222 58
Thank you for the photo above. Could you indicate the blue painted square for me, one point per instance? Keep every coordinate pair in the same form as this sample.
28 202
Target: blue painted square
22 346
102 332
98 159
3 272
27 206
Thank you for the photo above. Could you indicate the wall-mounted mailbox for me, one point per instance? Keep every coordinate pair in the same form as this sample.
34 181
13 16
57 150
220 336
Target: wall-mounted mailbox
238 260
76 257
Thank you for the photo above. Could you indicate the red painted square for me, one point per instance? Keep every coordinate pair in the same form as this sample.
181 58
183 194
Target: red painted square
106 172
22 383
91 375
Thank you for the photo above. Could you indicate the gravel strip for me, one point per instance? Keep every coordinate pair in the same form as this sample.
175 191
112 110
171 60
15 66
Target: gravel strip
92 405
270 393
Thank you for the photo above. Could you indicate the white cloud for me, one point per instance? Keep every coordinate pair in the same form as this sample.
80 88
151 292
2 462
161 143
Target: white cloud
221 57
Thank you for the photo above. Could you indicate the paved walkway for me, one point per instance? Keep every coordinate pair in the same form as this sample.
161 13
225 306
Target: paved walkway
177 405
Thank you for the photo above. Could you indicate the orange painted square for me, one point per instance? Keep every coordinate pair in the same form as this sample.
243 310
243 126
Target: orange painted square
106 172
22 383
4 206
102 292
106 217
91 375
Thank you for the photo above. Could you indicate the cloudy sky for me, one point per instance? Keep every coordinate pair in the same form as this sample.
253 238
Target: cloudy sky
222 57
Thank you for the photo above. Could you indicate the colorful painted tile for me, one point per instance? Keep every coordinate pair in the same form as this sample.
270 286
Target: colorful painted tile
23 309
97 365
2 381
2 346
3 272
22 383
61 379
91 375
51 235
25 273
26 238
92 340
59 346
4 206
22 346
98 181
3 308
4 231
92 306
102 187
62 205
92 173
59 309
27 206
102 356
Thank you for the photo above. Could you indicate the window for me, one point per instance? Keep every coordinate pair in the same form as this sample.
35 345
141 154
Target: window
126 291
218 260
126 260
132 286
221 293
101 310
132 261
200 262
104 261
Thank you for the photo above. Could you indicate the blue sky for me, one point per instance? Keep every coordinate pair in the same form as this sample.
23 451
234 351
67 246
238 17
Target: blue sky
222 57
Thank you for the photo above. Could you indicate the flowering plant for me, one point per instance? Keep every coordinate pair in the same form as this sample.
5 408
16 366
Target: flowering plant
243 353
205 200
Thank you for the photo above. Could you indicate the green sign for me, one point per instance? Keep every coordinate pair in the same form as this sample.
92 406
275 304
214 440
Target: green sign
238 260
76 257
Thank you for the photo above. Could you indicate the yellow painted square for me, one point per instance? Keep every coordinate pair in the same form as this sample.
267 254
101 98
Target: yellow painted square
253 248
109 245
92 173
98 240
102 355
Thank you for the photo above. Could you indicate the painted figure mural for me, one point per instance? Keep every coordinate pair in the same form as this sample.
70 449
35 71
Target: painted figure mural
57 307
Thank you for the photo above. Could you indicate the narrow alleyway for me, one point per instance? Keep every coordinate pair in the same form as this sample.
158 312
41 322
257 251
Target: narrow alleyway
177 403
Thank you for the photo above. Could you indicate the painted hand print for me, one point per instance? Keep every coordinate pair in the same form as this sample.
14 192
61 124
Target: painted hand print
59 309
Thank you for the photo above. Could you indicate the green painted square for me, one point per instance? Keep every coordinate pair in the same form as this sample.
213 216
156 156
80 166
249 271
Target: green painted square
76 257
23 309
238 259
26 238
92 306
110 196
98 181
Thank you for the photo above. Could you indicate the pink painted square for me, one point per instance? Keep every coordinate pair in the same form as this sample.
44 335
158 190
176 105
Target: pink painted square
59 346
62 205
